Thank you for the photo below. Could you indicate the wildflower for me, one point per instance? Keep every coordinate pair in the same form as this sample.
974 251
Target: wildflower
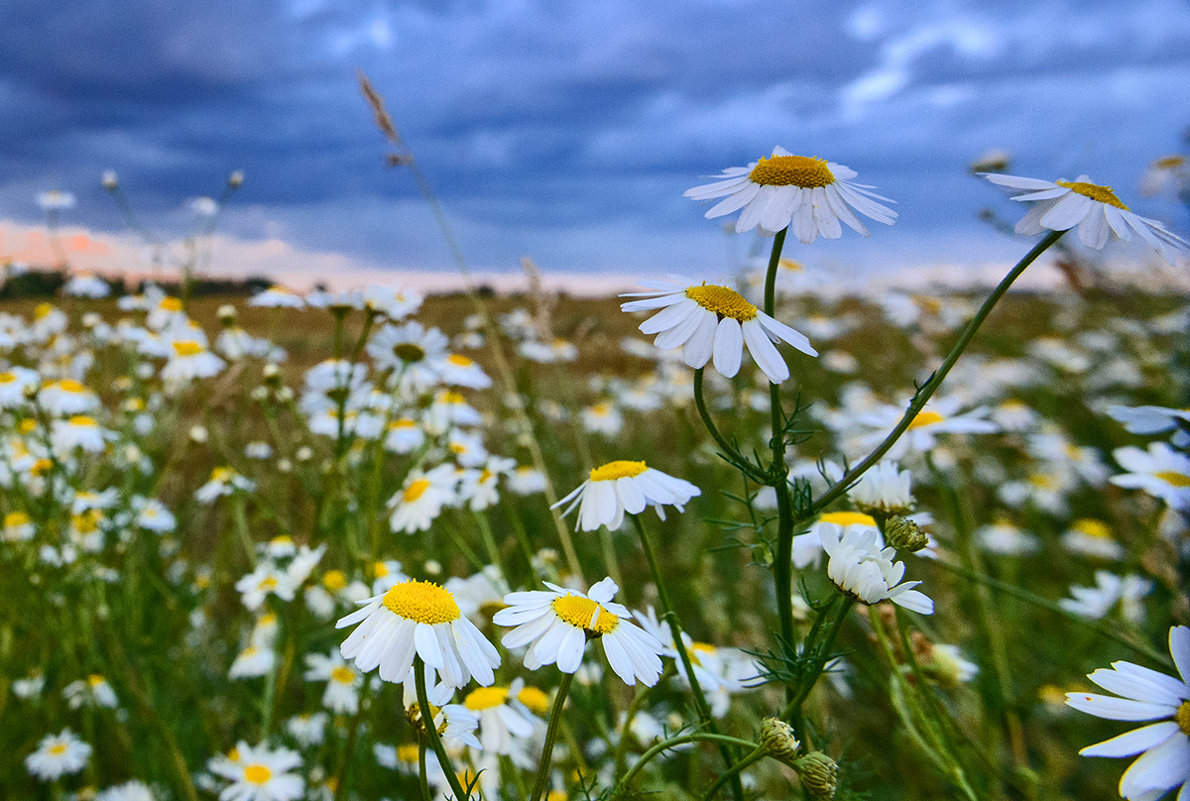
92 691
79 431
342 681
807 195
941 416
1061 205
223 481
412 351
128 791
807 547
1091 537
861 568
55 200
253 662
67 397
461 371
57 755
418 618
1095 602
1004 537
502 716
259 774
416 505
1155 420
1145 694
277 296
13 383
308 729
86 285
625 486
1161 471
714 323
885 489
556 625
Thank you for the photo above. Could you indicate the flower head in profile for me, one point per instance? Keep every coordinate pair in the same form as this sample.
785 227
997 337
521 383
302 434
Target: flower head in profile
418 618
714 323
809 196
625 486
1145 694
861 568
557 623
1094 209
1160 471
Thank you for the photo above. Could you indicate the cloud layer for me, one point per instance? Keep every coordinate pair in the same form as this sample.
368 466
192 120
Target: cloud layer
568 131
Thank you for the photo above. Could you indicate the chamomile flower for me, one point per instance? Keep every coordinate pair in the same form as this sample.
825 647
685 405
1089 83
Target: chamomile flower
1095 602
1145 694
277 296
420 500
257 773
1091 537
625 486
1098 213
1155 420
502 717
342 681
418 618
861 568
810 196
58 755
1160 471
713 323
557 623
807 547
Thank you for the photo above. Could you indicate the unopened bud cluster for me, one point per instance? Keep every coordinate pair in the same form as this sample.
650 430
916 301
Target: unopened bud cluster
904 534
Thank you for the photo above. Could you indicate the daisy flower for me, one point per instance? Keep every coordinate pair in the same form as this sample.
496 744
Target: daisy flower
342 681
862 569
277 296
1062 205
259 774
810 196
1095 602
419 502
1161 471
556 625
418 618
1145 694
625 486
502 716
1151 420
57 755
714 323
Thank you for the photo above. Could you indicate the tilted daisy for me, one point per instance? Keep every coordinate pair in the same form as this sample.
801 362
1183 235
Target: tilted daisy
625 486
1160 471
810 196
556 625
711 322
862 569
1145 694
418 618
1062 205
258 773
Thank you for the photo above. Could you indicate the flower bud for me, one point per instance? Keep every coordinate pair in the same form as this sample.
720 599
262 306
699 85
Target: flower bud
778 739
110 180
236 179
819 775
905 535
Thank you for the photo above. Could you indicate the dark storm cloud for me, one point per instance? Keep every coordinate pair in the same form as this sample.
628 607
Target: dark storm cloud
537 120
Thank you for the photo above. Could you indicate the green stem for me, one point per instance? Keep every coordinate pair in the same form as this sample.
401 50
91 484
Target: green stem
427 722
673 742
422 778
551 734
930 387
733 772
675 630
817 665
733 455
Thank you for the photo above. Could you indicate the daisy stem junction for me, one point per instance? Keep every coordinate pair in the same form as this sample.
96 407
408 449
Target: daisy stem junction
431 731
551 734
675 629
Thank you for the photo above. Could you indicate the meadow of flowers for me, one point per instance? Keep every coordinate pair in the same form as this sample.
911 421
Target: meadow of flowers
737 539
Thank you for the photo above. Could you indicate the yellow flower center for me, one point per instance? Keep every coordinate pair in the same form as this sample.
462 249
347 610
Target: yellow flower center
402 423
1100 194
41 467
535 699
70 385
1092 528
1183 717
7 378
459 361
187 347
583 613
83 420
267 583
451 397
848 519
334 580
618 469
343 675
926 418
222 474
1174 478
408 753
791 265
95 680
800 171
16 519
722 301
170 304
415 490
257 774
58 749
27 426
485 698
408 352
421 601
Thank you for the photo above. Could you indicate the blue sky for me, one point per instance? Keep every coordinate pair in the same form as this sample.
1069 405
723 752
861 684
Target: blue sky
567 131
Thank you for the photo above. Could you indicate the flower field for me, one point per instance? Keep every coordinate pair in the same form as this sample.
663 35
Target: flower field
250 547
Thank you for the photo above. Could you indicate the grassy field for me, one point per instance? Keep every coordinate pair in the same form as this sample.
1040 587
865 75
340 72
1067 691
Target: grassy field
967 702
